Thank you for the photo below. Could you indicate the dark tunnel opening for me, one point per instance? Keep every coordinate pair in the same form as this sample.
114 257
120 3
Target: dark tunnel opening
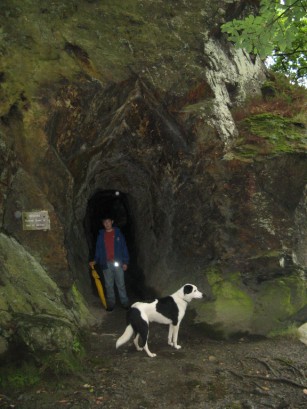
115 203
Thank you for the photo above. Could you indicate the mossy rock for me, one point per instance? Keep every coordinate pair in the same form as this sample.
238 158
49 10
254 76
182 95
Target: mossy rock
278 300
44 333
235 311
268 133
59 40
232 309
19 376
81 311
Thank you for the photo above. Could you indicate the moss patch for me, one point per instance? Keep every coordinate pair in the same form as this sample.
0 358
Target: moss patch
231 311
277 300
22 375
235 311
270 134
273 124
47 42
19 377
85 318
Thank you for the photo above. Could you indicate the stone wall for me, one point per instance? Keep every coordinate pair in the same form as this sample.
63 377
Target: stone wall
140 98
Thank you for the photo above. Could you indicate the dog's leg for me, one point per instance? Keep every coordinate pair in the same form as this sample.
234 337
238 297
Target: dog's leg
144 336
150 354
175 329
170 335
136 343
173 336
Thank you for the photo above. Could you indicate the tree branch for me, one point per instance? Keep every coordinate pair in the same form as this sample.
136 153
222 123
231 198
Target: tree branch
279 379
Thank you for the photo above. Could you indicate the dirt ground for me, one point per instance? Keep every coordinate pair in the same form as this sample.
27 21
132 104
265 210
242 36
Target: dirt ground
205 373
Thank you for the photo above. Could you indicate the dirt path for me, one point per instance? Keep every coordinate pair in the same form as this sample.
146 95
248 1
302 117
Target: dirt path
208 374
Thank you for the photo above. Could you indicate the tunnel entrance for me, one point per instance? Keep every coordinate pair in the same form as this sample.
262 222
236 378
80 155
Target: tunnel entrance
115 203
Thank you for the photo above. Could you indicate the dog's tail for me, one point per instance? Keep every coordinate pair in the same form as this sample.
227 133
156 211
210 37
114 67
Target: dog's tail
125 337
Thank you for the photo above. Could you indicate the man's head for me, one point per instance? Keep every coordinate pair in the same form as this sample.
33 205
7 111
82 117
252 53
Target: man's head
107 222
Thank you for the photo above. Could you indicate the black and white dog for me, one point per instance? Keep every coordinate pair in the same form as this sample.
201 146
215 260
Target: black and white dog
167 310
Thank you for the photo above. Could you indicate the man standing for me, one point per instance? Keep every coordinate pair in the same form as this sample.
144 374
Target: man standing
113 257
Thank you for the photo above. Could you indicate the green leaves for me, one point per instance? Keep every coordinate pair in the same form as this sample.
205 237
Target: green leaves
254 33
279 30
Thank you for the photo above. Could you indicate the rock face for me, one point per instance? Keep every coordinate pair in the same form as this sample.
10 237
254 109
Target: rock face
33 309
135 107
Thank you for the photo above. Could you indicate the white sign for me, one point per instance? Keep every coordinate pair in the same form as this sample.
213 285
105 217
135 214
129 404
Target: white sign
36 220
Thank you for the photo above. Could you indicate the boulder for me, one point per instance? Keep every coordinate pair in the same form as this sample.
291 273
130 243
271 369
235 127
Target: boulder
34 309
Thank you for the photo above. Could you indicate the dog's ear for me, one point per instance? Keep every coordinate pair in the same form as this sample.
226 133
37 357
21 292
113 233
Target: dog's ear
187 289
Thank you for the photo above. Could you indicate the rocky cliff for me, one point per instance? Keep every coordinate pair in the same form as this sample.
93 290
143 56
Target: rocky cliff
144 107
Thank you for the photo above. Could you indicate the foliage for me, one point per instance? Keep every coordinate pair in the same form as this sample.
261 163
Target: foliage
19 377
77 346
280 31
